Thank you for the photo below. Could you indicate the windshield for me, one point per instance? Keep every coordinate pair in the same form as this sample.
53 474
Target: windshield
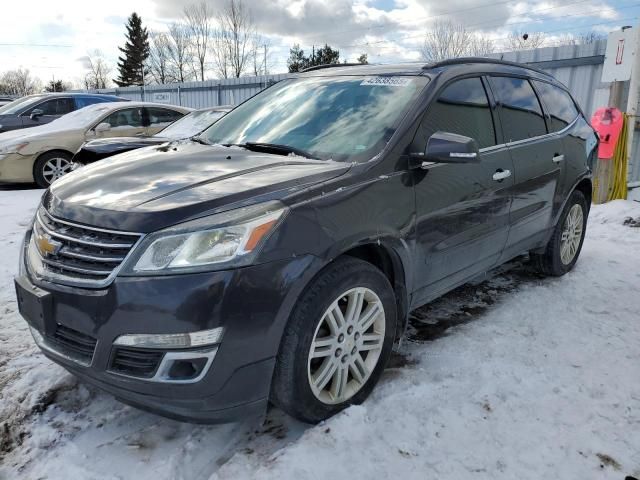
340 118
18 105
191 124
83 118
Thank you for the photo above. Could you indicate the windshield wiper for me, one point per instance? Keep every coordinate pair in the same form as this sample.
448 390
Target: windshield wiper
200 140
276 148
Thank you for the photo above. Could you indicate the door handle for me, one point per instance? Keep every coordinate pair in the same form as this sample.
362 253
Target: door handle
557 158
501 175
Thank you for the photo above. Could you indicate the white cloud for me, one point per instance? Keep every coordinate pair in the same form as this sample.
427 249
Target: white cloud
386 30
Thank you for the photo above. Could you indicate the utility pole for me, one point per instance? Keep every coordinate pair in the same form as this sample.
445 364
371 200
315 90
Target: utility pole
632 100
265 58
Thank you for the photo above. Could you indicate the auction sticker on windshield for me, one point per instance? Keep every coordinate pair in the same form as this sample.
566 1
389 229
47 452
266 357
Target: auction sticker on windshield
387 81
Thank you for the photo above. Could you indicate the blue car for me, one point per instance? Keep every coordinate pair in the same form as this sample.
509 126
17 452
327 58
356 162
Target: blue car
35 110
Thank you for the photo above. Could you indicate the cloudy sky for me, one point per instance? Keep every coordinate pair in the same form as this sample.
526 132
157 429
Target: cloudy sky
49 38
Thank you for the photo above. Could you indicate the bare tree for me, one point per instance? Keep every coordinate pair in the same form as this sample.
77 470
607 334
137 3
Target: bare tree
579 39
179 52
451 40
19 82
98 72
159 61
525 41
199 25
235 39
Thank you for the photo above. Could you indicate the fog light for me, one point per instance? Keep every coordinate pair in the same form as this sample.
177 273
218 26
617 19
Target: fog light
201 338
186 369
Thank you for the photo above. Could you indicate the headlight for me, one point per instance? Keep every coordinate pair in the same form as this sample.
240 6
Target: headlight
14 147
229 239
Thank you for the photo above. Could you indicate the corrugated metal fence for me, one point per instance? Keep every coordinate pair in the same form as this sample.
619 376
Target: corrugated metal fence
579 67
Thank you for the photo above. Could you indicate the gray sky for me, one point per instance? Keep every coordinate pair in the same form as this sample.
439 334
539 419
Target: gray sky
53 36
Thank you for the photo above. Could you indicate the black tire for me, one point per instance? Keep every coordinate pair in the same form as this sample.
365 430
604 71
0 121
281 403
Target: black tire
39 167
550 262
291 390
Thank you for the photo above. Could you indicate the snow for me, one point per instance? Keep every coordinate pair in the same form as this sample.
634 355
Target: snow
516 377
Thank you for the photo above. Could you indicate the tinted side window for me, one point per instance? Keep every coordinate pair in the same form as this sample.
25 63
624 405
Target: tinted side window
65 105
558 104
82 102
461 108
162 116
48 108
128 117
519 108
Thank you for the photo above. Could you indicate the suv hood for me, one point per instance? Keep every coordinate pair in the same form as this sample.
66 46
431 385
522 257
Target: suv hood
150 188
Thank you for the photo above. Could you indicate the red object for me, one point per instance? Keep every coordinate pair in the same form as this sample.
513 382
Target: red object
608 123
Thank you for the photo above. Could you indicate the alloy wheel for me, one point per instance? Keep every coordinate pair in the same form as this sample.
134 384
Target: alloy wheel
346 345
55 168
571 234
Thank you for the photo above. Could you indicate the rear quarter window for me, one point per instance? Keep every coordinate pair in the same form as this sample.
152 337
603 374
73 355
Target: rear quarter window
558 104
519 108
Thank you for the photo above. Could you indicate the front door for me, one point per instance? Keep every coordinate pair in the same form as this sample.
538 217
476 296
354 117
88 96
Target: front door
462 210
49 110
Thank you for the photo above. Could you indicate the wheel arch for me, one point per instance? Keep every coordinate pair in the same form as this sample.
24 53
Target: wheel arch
382 256
41 154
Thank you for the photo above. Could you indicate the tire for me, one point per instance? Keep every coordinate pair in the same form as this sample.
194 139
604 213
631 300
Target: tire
50 166
555 261
339 284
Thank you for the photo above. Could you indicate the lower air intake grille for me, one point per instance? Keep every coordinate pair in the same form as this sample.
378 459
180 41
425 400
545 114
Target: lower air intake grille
141 363
73 344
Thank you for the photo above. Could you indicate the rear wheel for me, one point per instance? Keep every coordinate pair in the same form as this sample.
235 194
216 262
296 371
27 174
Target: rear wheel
51 166
337 341
563 249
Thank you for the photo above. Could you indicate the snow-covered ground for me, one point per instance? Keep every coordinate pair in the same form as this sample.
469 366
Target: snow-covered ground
519 377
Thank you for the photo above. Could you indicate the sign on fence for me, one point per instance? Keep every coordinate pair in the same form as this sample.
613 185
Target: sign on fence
163 97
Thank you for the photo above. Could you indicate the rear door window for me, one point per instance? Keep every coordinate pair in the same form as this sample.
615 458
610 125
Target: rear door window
558 104
159 117
520 109
461 108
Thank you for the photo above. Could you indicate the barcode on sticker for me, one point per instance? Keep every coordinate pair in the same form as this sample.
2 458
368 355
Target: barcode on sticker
386 81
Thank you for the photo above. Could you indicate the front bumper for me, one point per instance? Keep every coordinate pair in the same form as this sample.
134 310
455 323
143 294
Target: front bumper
16 168
252 304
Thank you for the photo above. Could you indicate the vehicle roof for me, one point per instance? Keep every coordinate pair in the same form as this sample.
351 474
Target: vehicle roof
219 108
73 94
129 104
428 69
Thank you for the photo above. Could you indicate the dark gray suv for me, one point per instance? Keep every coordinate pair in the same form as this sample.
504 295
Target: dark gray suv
35 110
277 255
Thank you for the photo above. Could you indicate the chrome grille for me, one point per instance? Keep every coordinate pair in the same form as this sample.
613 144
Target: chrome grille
77 255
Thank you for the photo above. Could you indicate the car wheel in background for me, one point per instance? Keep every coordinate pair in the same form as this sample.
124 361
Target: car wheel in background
51 166
337 341
563 249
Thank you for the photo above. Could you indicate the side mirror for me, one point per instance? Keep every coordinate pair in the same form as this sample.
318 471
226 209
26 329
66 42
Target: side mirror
36 113
443 147
102 127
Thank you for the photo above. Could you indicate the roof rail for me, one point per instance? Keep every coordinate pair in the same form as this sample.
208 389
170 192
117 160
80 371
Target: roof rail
331 65
463 60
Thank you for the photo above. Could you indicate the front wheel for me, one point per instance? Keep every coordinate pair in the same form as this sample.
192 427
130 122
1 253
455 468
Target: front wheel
337 341
563 249
51 166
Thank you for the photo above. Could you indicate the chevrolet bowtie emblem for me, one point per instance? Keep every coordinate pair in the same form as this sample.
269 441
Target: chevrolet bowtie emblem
47 245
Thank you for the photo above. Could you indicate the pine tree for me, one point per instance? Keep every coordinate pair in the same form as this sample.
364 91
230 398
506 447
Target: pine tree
136 51
297 61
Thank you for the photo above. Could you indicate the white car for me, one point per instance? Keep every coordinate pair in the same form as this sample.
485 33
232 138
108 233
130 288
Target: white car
43 154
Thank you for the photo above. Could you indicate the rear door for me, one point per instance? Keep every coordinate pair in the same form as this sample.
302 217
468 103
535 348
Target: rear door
159 118
535 155
561 113
462 211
